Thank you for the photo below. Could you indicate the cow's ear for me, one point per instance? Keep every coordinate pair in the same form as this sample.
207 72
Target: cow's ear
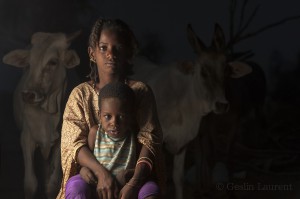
39 37
239 69
71 59
18 58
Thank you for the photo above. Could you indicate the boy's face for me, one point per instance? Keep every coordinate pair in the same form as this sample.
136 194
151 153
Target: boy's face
115 117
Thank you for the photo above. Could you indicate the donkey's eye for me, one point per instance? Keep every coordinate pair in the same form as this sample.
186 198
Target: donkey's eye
204 73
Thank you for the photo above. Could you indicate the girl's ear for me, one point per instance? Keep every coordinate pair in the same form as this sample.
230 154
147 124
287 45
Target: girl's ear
91 53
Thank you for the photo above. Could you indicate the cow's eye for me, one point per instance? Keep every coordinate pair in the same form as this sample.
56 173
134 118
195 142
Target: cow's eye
52 62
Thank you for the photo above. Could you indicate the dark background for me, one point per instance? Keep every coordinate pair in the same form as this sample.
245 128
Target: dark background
160 29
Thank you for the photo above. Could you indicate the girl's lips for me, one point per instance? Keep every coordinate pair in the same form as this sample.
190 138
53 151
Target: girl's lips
110 63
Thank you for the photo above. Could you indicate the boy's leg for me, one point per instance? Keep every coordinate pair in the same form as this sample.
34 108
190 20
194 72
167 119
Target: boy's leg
149 190
77 188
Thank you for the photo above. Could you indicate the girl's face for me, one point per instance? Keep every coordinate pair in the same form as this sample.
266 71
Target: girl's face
111 54
115 117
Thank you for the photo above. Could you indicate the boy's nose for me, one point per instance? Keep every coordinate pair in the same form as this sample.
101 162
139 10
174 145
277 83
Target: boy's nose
114 121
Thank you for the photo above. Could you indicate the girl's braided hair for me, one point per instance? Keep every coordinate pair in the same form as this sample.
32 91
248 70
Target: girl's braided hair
120 27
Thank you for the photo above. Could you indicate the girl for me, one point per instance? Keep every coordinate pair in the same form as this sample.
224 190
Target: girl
112 46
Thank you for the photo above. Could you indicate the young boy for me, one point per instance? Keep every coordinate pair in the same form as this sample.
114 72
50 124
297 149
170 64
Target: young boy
114 143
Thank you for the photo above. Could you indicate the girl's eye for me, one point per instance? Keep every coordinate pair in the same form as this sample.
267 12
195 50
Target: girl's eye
102 48
121 117
120 47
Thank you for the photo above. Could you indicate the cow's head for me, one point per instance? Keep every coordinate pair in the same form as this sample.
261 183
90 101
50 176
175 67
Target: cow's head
45 66
211 68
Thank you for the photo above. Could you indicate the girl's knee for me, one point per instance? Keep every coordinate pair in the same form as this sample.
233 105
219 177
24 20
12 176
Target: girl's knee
77 188
149 189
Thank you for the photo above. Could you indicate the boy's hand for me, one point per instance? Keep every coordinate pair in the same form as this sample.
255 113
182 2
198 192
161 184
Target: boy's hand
107 187
88 176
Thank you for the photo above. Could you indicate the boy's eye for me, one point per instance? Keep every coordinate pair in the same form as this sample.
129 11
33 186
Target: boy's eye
107 117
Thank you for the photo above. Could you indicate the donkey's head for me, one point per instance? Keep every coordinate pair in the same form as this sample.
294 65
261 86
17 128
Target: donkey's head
212 68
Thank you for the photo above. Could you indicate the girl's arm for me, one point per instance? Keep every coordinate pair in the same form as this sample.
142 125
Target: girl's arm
141 174
92 137
85 172
143 168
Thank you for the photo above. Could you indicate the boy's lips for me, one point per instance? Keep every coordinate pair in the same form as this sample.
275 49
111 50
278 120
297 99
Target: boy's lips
113 132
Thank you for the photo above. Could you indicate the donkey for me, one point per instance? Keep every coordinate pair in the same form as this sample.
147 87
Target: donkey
187 91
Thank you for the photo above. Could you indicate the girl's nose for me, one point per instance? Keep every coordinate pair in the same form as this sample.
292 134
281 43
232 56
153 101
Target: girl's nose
110 54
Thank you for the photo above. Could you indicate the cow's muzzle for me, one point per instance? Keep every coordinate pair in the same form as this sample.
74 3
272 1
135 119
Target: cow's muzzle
32 97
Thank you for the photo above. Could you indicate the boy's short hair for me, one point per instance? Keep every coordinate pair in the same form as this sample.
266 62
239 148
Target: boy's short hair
118 90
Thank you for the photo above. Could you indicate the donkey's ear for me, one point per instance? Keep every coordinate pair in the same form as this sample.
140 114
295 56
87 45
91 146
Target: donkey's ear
197 45
218 41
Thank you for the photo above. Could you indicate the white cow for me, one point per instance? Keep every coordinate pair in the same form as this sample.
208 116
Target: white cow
38 104
187 91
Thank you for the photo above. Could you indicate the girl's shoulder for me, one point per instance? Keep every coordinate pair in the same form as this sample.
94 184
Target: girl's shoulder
83 88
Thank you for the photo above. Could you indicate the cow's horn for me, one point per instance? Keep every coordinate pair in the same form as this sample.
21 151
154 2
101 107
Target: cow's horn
73 35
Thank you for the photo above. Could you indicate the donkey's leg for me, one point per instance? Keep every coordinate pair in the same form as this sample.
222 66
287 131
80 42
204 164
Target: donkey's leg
178 172
30 180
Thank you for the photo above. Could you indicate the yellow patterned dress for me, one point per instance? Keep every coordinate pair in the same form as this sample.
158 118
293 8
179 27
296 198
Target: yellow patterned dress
81 113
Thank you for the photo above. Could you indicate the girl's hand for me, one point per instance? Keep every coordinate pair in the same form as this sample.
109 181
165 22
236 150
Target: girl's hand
124 176
88 176
107 187
129 192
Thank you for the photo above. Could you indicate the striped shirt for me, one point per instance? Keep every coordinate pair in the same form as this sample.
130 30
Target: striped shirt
115 155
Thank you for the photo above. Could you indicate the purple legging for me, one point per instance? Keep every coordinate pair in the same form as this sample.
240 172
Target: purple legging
77 188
